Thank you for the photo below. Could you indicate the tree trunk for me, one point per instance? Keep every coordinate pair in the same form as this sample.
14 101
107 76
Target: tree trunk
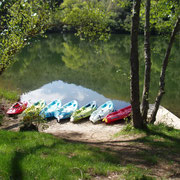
163 71
134 62
147 55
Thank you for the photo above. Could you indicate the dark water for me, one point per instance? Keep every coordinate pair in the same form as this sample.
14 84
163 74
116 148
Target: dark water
61 66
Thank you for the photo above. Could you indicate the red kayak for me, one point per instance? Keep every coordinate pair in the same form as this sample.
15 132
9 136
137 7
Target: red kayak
17 108
119 114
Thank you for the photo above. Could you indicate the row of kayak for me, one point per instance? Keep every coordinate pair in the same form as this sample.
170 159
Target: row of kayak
55 109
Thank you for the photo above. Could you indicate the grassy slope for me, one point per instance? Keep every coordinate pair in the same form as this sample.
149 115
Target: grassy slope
156 136
9 95
32 155
163 143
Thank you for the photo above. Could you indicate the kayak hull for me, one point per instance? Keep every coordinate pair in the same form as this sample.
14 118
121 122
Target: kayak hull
117 115
66 110
17 108
83 112
102 111
48 110
38 106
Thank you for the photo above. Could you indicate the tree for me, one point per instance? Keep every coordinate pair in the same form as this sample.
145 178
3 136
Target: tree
20 21
147 56
163 71
138 117
160 15
134 62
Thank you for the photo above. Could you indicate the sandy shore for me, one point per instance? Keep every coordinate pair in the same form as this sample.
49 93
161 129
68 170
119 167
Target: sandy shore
85 130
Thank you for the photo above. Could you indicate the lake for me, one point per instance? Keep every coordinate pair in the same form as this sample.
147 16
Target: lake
61 66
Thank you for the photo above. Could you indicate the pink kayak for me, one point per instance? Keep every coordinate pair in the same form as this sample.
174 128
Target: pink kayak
119 114
17 108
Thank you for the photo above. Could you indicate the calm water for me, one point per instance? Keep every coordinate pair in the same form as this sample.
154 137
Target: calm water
63 67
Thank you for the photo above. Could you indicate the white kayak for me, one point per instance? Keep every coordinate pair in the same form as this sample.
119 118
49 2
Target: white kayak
66 110
102 111
48 110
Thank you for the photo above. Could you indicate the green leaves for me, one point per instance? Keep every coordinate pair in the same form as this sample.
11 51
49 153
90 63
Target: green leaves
89 18
163 15
20 21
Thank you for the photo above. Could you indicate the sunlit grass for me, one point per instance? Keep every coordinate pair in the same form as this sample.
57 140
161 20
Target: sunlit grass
157 136
9 95
128 129
33 155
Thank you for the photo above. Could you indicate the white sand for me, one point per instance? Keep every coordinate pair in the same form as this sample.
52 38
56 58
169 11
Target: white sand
101 131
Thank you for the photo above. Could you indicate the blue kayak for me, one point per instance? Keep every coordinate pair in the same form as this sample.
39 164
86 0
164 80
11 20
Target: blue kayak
66 110
48 111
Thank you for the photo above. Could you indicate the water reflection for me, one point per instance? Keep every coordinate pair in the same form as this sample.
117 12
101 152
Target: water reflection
67 92
103 68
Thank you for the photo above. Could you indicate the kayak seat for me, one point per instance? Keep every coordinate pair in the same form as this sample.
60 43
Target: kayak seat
16 105
104 105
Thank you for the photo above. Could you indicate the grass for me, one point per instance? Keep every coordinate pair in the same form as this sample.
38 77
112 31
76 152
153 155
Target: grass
162 147
156 136
33 155
9 95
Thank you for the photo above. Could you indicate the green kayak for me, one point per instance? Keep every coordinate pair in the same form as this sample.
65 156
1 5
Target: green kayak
38 106
84 111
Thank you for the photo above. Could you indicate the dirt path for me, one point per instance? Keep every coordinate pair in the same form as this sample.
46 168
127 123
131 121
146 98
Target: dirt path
84 131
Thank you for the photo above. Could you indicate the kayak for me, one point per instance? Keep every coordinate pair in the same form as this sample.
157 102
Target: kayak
66 110
102 111
119 114
38 106
17 108
84 111
48 110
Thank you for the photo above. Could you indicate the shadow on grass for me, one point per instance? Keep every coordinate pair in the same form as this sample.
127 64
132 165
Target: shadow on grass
97 156
154 146
64 158
11 126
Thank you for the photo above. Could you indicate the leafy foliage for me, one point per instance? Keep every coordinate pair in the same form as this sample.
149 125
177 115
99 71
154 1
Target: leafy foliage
89 18
163 15
22 20
33 118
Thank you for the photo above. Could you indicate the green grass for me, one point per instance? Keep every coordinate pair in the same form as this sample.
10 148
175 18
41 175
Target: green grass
33 155
9 95
156 136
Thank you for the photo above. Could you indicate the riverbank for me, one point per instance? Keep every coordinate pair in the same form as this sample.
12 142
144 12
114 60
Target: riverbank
85 128
143 150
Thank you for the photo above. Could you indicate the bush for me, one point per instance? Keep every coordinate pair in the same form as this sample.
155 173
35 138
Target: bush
32 121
